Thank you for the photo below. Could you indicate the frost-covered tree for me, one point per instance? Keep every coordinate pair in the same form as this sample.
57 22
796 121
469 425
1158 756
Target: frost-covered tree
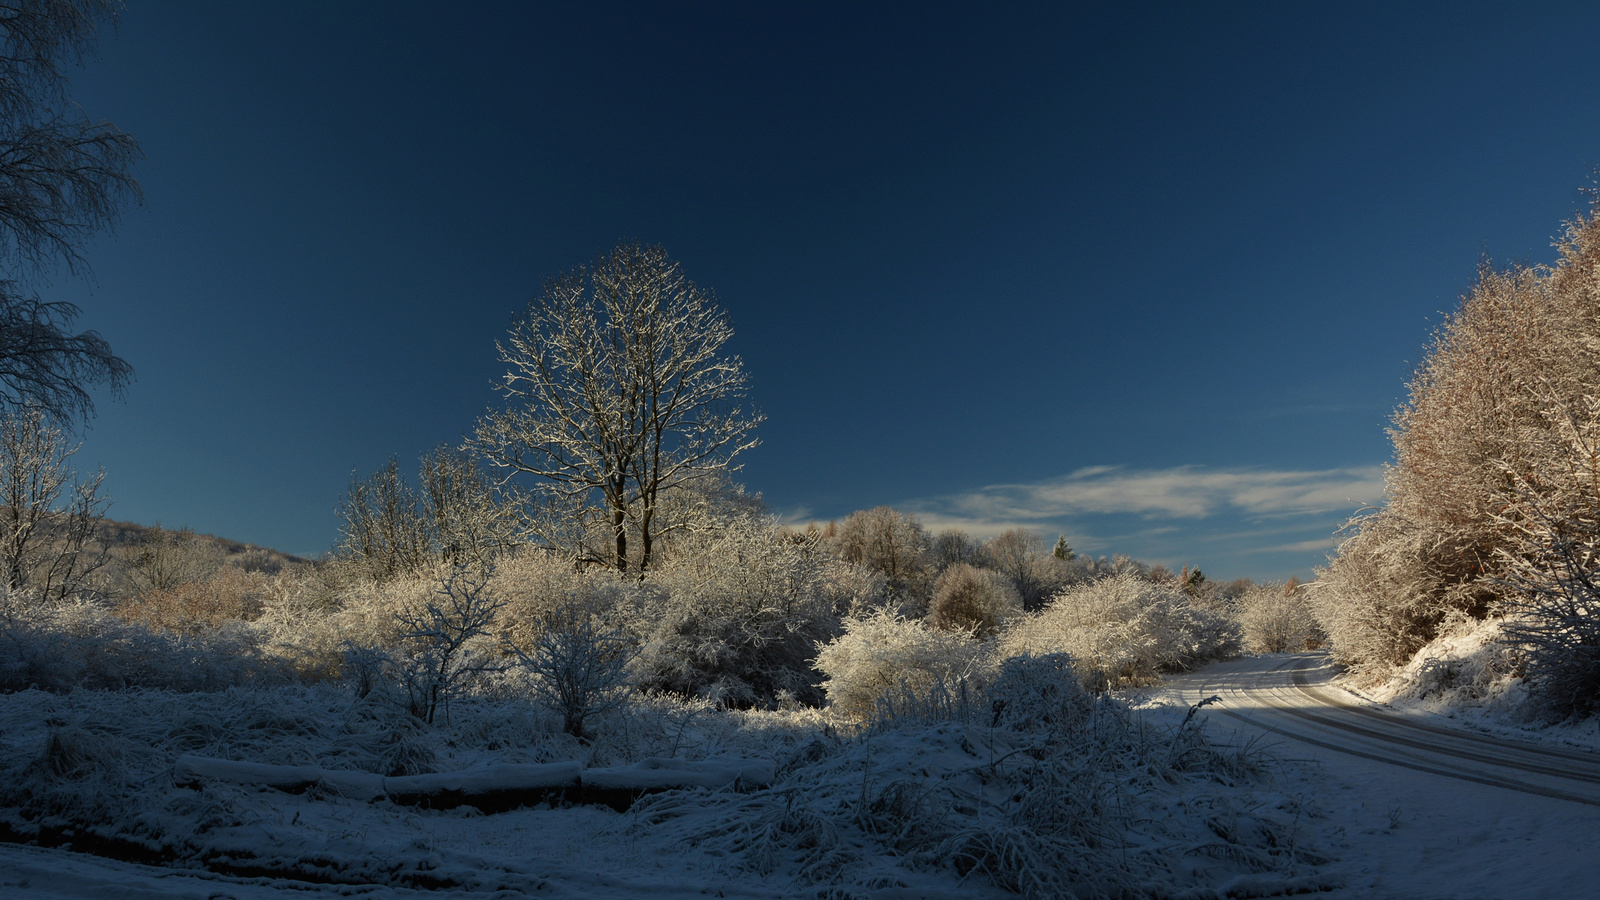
383 524
469 521
62 179
892 544
1552 552
1521 353
618 389
47 515
458 518
953 546
1020 555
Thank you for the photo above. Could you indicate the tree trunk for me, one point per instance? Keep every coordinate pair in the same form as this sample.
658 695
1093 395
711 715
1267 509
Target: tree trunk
619 525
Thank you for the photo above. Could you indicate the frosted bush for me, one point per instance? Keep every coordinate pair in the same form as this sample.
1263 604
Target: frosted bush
537 583
1124 630
973 600
1039 693
737 611
1045 790
81 644
883 654
1380 600
444 641
1277 619
577 666
226 595
298 625
368 611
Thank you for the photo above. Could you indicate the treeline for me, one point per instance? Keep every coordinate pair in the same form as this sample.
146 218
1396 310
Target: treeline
436 589
1493 500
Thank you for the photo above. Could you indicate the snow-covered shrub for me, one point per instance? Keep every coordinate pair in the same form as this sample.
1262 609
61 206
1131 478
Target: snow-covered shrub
1468 665
191 606
1039 693
1277 618
577 666
736 612
298 625
444 641
1124 630
368 612
1380 600
972 600
537 583
883 654
1044 790
81 644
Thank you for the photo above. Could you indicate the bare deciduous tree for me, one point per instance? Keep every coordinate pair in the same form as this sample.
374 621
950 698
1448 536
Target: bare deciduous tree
440 635
618 392
47 516
893 544
469 521
62 179
458 518
383 523
42 363
952 547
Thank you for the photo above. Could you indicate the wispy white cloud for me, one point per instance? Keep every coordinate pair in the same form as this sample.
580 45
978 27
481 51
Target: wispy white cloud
1186 492
1327 543
1266 523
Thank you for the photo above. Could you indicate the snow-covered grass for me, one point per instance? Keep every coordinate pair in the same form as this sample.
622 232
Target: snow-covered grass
1032 786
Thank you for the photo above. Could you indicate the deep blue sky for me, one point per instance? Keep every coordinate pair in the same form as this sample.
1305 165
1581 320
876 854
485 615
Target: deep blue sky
1150 275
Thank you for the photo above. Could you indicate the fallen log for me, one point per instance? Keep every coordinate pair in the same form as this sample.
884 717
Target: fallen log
618 786
193 771
490 788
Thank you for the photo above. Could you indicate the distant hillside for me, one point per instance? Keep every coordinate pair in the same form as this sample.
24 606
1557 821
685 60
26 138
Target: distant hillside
114 535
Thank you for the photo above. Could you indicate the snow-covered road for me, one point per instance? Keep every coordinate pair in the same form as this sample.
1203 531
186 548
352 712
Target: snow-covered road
1293 697
1425 808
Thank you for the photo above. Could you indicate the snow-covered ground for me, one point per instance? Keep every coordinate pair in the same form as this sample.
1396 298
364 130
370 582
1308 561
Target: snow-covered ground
1048 793
1287 785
